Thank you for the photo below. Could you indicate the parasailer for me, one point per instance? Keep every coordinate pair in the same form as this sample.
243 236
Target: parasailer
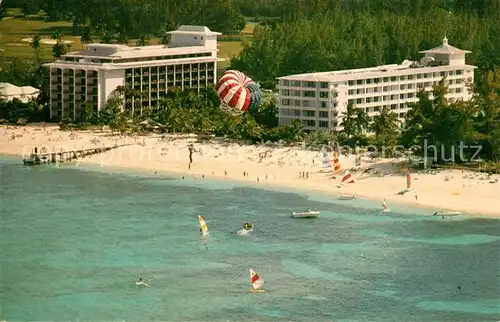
238 93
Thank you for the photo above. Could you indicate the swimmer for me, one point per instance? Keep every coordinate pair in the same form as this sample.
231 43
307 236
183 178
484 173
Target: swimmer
140 282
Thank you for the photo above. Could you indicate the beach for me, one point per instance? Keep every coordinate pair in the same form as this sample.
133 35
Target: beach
281 166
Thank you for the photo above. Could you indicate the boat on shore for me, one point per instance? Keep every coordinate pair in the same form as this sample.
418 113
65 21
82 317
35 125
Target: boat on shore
346 197
307 214
450 214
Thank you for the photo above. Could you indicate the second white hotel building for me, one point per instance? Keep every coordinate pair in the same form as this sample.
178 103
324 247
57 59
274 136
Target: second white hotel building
319 100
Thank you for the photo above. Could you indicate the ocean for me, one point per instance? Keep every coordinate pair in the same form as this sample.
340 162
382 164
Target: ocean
75 240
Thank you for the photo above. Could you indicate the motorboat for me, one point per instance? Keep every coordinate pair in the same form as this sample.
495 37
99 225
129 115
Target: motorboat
33 159
246 229
308 214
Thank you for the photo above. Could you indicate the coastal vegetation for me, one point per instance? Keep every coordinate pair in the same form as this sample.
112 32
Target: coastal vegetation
280 38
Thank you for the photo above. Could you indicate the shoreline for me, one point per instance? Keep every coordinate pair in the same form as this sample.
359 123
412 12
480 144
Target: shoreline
270 168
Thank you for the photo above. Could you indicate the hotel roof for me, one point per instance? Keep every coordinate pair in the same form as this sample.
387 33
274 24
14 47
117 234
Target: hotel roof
124 51
198 30
445 48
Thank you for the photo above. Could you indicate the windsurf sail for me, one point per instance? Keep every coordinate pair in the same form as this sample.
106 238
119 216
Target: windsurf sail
336 163
348 178
203 224
257 282
384 204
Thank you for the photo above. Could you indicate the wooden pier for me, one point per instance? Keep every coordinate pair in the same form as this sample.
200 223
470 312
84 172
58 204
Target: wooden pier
38 157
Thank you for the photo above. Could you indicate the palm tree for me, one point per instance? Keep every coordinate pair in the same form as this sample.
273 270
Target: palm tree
86 37
35 44
361 122
57 36
348 121
385 126
143 41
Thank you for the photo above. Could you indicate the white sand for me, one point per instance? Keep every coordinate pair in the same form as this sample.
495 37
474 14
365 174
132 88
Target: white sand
47 41
449 190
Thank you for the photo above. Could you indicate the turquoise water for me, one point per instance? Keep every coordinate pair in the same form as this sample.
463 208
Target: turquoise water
73 242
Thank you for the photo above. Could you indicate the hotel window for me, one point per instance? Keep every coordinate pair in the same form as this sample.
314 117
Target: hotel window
410 86
402 96
308 94
359 101
402 114
377 99
369 99
296 102
395 87
442 74
450 73
351 83
394 106
386 79
323 114
296 93
402 78
351 92
323 104
296 113
420 85
458 90
285 102
361 91
394 79
310 122
296 83
369 90
376 109
352 101
360 81
410 77
387 98
323 94
419 76
369 81
411 95
324 85
402 86
394 97
286 82
387 88
458 81
285 92
323 123
376 80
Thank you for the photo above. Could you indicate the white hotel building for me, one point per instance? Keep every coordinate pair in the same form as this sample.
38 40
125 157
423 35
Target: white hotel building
91 75
319 100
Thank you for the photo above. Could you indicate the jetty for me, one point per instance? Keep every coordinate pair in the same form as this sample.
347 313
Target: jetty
38 157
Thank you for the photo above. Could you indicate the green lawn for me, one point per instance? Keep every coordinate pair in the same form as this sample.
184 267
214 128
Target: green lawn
15 28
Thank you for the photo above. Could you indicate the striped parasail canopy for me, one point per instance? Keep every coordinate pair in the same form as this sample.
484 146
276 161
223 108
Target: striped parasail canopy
238 92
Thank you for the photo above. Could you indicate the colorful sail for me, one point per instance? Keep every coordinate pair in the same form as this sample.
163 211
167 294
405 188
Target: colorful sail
336 163
257 282
348 178
203 225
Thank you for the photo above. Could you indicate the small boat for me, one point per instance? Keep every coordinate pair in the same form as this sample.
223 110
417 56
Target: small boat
385 207
346 197
256 281
33 159
308 214
447 214
203 226
246 229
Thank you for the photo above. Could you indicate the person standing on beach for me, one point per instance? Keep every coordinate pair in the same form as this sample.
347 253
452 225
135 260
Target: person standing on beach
191 150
